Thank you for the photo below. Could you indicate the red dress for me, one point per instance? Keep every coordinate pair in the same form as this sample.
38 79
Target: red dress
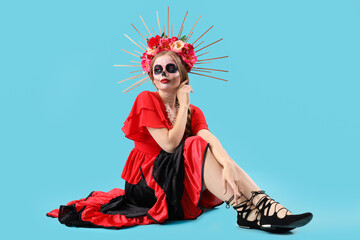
158 185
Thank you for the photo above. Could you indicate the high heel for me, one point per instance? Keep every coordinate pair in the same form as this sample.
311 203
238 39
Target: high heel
273 222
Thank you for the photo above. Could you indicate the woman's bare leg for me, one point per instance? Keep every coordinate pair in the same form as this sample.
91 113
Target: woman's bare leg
212 181
213 176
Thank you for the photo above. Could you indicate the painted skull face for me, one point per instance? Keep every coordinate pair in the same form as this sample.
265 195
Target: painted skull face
170 68
166 73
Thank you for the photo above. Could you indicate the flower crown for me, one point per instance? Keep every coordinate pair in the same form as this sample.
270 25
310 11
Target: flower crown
169 42
158 44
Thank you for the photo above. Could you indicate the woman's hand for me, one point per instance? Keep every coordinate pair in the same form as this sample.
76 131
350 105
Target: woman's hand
182 93
231 177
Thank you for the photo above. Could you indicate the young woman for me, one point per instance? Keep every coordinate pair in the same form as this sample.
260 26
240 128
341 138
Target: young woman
177 167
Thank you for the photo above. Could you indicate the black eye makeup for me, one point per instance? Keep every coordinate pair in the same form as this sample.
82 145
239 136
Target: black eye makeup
170 68
158 69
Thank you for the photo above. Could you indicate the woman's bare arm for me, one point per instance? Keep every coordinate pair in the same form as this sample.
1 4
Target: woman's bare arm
215 146
167 139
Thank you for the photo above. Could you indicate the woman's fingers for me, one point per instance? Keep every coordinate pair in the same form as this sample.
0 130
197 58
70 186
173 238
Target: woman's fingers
235 191
191 89
187 88
224 185
184 82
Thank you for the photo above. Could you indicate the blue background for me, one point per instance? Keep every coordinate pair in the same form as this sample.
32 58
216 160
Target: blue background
289 114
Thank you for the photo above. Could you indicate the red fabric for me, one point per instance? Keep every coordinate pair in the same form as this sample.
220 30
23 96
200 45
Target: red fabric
93 214
149 111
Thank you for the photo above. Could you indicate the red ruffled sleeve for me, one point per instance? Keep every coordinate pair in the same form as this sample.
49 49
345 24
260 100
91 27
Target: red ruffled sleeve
198 120
146 112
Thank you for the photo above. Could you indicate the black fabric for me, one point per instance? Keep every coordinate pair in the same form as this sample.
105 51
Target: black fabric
136 202
169 172
70 217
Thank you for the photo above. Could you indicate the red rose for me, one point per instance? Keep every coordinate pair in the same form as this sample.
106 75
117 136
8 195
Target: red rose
165 44
189 49
154 41
173 39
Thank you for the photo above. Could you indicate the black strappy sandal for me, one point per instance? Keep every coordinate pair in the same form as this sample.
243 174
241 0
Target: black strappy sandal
273 222
244 210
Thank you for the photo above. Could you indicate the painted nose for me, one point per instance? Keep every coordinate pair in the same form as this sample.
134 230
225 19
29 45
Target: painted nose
163 74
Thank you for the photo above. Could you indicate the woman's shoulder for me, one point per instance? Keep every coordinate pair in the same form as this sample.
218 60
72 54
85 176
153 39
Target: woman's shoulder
149 100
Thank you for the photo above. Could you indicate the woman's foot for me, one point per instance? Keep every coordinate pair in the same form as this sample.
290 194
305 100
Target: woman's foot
275 217
248 216
262 212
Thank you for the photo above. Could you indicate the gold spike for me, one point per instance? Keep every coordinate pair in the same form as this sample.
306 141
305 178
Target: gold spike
141 53
208 76
133 77
145 25
209 44
146 36
212 58
134 42
135 62
193 28
201 62
168 21
182 25
171 30
202 35
153 31
137 86
127 65
200 70
198 44
157 15
138 83
202 54
212 69
189 37
136 71
164 30
130 53
139 32
181 29
142 44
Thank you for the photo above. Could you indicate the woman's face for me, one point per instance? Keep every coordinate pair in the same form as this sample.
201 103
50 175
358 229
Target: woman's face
166 74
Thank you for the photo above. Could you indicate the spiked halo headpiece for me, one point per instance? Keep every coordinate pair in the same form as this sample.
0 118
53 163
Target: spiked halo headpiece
163 42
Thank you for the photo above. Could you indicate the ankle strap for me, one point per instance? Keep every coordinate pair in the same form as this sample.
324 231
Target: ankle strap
228 201
254 193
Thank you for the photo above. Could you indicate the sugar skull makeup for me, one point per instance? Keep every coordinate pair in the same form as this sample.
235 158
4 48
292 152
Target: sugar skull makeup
166 73
170 68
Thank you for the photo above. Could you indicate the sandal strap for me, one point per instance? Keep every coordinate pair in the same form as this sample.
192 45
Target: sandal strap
228 201
265 203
